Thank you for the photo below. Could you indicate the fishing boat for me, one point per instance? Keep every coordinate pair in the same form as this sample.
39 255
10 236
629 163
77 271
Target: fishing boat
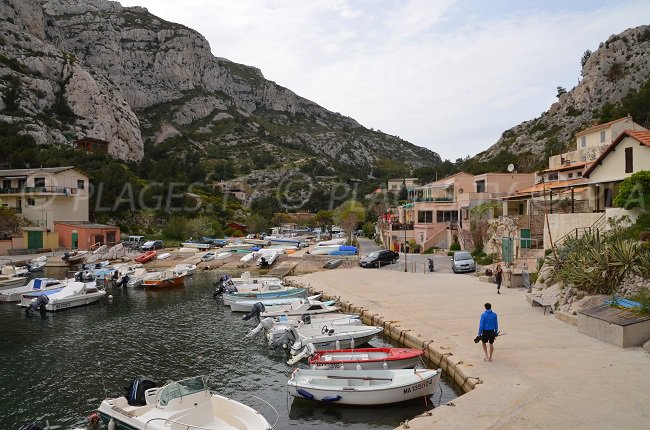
322 338
272 303
166 278
304 307
145 256
189 269
187 404
34 285
74 294
363 387
367 358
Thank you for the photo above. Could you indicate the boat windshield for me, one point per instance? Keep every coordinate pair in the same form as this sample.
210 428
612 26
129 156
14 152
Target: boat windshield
174 390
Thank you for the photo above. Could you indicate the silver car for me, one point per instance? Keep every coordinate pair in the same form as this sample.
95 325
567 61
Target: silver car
462 261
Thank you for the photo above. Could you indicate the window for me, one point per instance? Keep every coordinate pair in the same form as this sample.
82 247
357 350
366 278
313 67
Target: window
39 182
521 208
552 176
446 216
579 175
425 216
6 183
480 186
31 201
583 141
608 197
602 136
570 176
629 168
21 183
80 184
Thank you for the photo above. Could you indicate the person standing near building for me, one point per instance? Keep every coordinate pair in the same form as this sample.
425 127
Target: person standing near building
498 277
488 330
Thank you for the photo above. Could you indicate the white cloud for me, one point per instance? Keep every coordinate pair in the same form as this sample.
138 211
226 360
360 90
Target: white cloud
439 74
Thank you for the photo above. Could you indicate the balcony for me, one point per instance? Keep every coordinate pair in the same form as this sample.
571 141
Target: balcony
433 199
64 191
399 226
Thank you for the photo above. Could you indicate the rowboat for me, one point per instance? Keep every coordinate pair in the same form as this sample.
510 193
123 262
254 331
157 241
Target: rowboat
145 256
166 278
367 358
187 404
363 387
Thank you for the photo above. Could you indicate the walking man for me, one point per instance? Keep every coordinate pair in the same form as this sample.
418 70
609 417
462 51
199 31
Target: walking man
488 329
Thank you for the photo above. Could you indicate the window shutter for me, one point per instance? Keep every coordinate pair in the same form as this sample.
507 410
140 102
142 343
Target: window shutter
629 161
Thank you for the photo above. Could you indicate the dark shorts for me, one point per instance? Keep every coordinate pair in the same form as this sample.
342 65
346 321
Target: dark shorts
488 336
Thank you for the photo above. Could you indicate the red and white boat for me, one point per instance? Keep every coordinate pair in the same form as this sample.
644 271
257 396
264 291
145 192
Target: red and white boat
367 358
166 278
145 256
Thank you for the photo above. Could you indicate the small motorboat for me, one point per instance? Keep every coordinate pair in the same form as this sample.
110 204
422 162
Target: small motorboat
163 256
363 387
367 358
276 327
180 405
135 279
75 257
267 259
145 256
209 256
237 246
308 307
322 338
282 292
248 283
37 264
33 286
189 269
74 294
272 303
9 278
166 278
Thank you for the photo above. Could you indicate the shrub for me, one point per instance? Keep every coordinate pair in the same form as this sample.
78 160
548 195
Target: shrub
450 253
454 246
486 260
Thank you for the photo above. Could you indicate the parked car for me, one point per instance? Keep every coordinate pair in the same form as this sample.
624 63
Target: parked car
462 261
379 258
152 245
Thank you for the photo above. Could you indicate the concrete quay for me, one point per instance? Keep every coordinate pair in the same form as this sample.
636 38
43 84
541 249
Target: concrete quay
544 374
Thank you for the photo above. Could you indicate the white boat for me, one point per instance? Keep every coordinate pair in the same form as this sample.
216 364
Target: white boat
9 278
189 269
209 256
322 338
75 257
275 303
196 245
267 259
37 264
333 242
74 294
223 255
237 246
163 256
363 387
115 252
182 405
280 292
248 257
34 285
137 278
304 307
275 328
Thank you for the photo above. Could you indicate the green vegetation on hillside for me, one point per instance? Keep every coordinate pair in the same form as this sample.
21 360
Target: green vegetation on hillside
636 103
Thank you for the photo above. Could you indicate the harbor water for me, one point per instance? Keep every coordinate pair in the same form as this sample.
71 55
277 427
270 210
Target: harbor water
57 367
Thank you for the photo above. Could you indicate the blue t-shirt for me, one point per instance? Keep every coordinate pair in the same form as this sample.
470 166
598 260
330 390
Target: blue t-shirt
488 322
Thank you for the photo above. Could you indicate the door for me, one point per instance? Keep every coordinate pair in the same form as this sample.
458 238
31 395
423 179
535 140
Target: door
75 240
99 239
506 246
525 238
34 239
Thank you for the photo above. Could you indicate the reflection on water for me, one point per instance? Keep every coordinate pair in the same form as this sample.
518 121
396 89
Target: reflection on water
58 367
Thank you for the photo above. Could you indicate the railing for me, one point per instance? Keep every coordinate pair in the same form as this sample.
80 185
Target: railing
400 227
36 190
433 199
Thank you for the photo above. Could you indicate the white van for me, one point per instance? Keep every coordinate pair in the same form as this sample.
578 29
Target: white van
133 241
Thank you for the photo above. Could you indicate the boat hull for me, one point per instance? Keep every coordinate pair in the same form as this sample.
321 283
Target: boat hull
86 299
164 283
363 388
367 359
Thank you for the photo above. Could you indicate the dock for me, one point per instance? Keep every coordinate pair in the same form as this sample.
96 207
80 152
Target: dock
282 269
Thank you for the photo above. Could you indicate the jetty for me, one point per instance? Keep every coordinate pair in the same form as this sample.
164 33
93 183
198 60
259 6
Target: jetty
544 374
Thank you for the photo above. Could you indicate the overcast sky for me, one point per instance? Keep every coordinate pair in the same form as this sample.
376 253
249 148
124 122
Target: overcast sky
449 75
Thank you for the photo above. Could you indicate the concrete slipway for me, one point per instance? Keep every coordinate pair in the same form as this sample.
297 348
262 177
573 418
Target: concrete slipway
545 375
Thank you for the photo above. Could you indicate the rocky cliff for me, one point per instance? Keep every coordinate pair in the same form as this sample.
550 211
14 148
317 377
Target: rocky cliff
621 64
74 68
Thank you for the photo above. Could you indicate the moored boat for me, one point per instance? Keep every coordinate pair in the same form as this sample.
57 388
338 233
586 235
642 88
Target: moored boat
166 278
33 286
185 404
9 278
189 269
273 303
305 307
367 358
363 387
74 294
322 338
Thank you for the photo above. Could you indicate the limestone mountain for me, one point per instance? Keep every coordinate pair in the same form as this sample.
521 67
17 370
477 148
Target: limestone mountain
620 65
75 68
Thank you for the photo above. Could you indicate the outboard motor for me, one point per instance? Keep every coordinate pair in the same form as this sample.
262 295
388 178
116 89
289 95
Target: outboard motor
135 392
288 339
223 284
38 304
66 256
266 324
430 264
124 281
308 351
258 308
263 263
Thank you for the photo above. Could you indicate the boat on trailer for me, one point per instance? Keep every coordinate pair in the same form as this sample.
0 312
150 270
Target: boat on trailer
363 387
187 404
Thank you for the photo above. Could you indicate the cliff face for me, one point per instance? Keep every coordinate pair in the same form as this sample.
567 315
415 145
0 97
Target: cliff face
73 68
621 64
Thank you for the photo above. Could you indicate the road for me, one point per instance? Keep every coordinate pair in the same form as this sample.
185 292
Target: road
417 263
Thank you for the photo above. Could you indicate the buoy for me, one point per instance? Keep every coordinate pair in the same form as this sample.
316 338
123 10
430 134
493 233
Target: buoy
110 297
93 418
111 424
338 344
